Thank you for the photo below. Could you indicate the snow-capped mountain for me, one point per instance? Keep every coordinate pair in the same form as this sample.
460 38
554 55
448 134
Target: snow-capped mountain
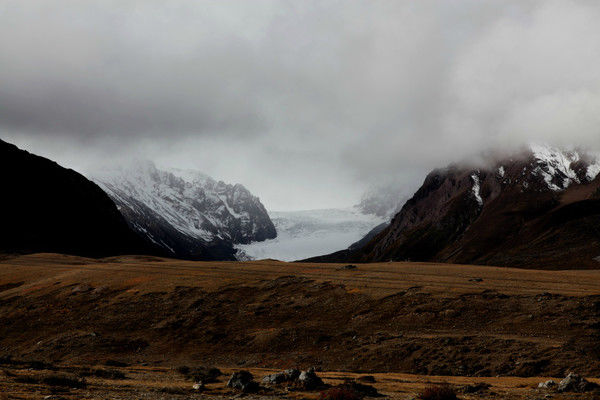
302 234
185 212
539 208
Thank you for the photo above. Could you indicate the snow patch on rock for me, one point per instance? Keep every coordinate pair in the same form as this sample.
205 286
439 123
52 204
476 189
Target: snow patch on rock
593 169
555 166
477 189
191 202
501 171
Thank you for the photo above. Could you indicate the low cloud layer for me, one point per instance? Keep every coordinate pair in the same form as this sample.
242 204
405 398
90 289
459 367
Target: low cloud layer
307 103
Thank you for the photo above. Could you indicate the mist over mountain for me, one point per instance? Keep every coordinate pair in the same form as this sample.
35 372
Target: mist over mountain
310 104
307 103
384 200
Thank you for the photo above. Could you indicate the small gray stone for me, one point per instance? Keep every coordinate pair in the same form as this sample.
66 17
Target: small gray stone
549 384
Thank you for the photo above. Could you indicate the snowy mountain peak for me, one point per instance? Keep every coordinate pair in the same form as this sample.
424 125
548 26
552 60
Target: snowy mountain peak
560 168
168 206
555 166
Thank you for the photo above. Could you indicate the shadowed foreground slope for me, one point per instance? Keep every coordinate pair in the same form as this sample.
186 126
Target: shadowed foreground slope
45 207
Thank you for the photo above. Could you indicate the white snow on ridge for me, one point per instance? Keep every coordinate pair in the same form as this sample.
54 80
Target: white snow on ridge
190 201
501 171
304 234
477 189
593 169
554 164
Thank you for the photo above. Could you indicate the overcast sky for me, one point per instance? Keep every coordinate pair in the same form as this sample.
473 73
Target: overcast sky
307 103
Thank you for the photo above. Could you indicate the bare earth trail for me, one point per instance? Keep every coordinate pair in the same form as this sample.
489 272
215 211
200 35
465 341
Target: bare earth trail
404 323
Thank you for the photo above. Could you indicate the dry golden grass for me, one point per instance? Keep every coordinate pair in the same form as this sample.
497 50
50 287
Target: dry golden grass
39 272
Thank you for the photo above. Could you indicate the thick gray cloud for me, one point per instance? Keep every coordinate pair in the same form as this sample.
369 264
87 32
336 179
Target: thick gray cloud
306 102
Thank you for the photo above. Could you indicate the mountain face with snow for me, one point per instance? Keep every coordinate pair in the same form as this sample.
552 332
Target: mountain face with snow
537 209
187 213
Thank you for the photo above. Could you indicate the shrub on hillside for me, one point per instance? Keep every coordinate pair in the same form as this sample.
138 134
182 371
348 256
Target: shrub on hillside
339 393
107 373
438 392
115 363
200 374
64 381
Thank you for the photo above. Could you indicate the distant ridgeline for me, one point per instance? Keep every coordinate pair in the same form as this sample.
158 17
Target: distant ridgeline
47 208
537 209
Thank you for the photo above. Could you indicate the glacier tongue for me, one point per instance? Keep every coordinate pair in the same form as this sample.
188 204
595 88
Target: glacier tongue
304 234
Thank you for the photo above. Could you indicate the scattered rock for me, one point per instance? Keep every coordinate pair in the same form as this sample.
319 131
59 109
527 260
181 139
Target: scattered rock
549 384
348 267
198 386
475 280
244 381
575 383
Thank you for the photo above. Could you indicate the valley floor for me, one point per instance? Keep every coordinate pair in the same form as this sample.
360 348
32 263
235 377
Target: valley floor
404 323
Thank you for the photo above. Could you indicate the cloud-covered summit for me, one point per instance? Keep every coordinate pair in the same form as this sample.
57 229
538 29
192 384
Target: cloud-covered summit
307 103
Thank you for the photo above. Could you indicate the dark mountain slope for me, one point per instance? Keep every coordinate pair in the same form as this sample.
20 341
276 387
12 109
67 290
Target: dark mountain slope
48 208
539 209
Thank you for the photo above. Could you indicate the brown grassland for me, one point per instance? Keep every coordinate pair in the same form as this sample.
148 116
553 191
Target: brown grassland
406 324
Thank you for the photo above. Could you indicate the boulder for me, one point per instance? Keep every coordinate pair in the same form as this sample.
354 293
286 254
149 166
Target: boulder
309 380
575 383
243 381
289 375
